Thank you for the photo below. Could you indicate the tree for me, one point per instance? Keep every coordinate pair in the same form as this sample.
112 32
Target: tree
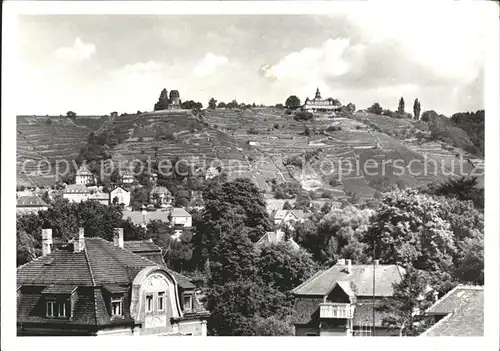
428 116
283 268
416 109
410 299
409 230
233 259
292 102
221 105
463 188
287 206
71 114
375 109
138 198
272 326
401 107
212 104
163 101
351 107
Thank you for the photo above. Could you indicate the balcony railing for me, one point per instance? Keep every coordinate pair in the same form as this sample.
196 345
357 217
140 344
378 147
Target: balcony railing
336 310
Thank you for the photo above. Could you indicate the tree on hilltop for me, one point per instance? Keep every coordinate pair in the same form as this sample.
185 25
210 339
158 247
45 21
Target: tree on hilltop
401 106
375 109
71 114
163 101
212 104
416 109
292 102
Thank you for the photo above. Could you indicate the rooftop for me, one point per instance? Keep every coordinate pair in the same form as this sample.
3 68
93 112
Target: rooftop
159 190
83 171
463 308
180 212
361 276
76 189
276 237
283 213
30 201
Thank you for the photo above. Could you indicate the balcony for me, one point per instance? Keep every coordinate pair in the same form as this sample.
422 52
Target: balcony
336 310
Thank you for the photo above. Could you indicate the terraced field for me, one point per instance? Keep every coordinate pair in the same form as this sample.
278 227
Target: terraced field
257 143
42 141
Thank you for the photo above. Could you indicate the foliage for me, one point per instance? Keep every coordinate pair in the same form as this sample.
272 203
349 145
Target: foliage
375 109
351 107
410 299
272 326
286 190
444 129
191 105
473 124
416 109
163 101
283 268
463 188
28 248
303 115
212 103
292 102
408 230
253 131
139 198
287 206
401 106
71 114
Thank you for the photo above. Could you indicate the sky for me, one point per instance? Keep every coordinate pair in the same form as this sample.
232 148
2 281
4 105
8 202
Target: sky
96 64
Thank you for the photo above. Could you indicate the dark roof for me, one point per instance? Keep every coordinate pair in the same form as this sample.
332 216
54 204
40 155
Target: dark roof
101 262
59 289
464 310
30 201
361 276
140 246
76 189
137 217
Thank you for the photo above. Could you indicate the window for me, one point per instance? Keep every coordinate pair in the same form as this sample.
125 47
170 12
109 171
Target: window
50 308
188 302
116 306
149 303
161 301
61 307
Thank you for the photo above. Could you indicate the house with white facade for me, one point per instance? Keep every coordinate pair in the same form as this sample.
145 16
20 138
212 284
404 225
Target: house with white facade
288 217
76 193
180 217
30 204
121 195
84 176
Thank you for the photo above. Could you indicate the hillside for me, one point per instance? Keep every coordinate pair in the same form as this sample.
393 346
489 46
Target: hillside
263 144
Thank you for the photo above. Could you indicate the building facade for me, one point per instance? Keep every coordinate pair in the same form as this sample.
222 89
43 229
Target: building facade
76 193
122 196
340 301
102 198
30 204
180 217
94 287
160 196
288 217
84 176
318 104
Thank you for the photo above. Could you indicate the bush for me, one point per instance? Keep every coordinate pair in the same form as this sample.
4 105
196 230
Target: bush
253 131
48 121
359 127
276 126
141 139
307 131
375 109
303 115
333 128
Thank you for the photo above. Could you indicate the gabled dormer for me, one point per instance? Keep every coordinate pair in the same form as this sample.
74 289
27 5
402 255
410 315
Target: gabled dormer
114 296
339 301
59 301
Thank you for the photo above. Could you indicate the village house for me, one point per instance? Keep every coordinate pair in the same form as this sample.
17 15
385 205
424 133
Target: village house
76 193
94 287
180 217
102 198
318 104
196 201
275 237
30 204
160 196
142 218
128 178
339 301
121 195
84 176
288 217
460 312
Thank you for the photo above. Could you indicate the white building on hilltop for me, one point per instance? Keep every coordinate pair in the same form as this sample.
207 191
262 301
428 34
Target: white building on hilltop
122 196
84 176
318 104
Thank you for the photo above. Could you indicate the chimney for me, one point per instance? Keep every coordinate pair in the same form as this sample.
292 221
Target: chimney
144 214
349 266
435 295
46 241
118 237
376 262
79 243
